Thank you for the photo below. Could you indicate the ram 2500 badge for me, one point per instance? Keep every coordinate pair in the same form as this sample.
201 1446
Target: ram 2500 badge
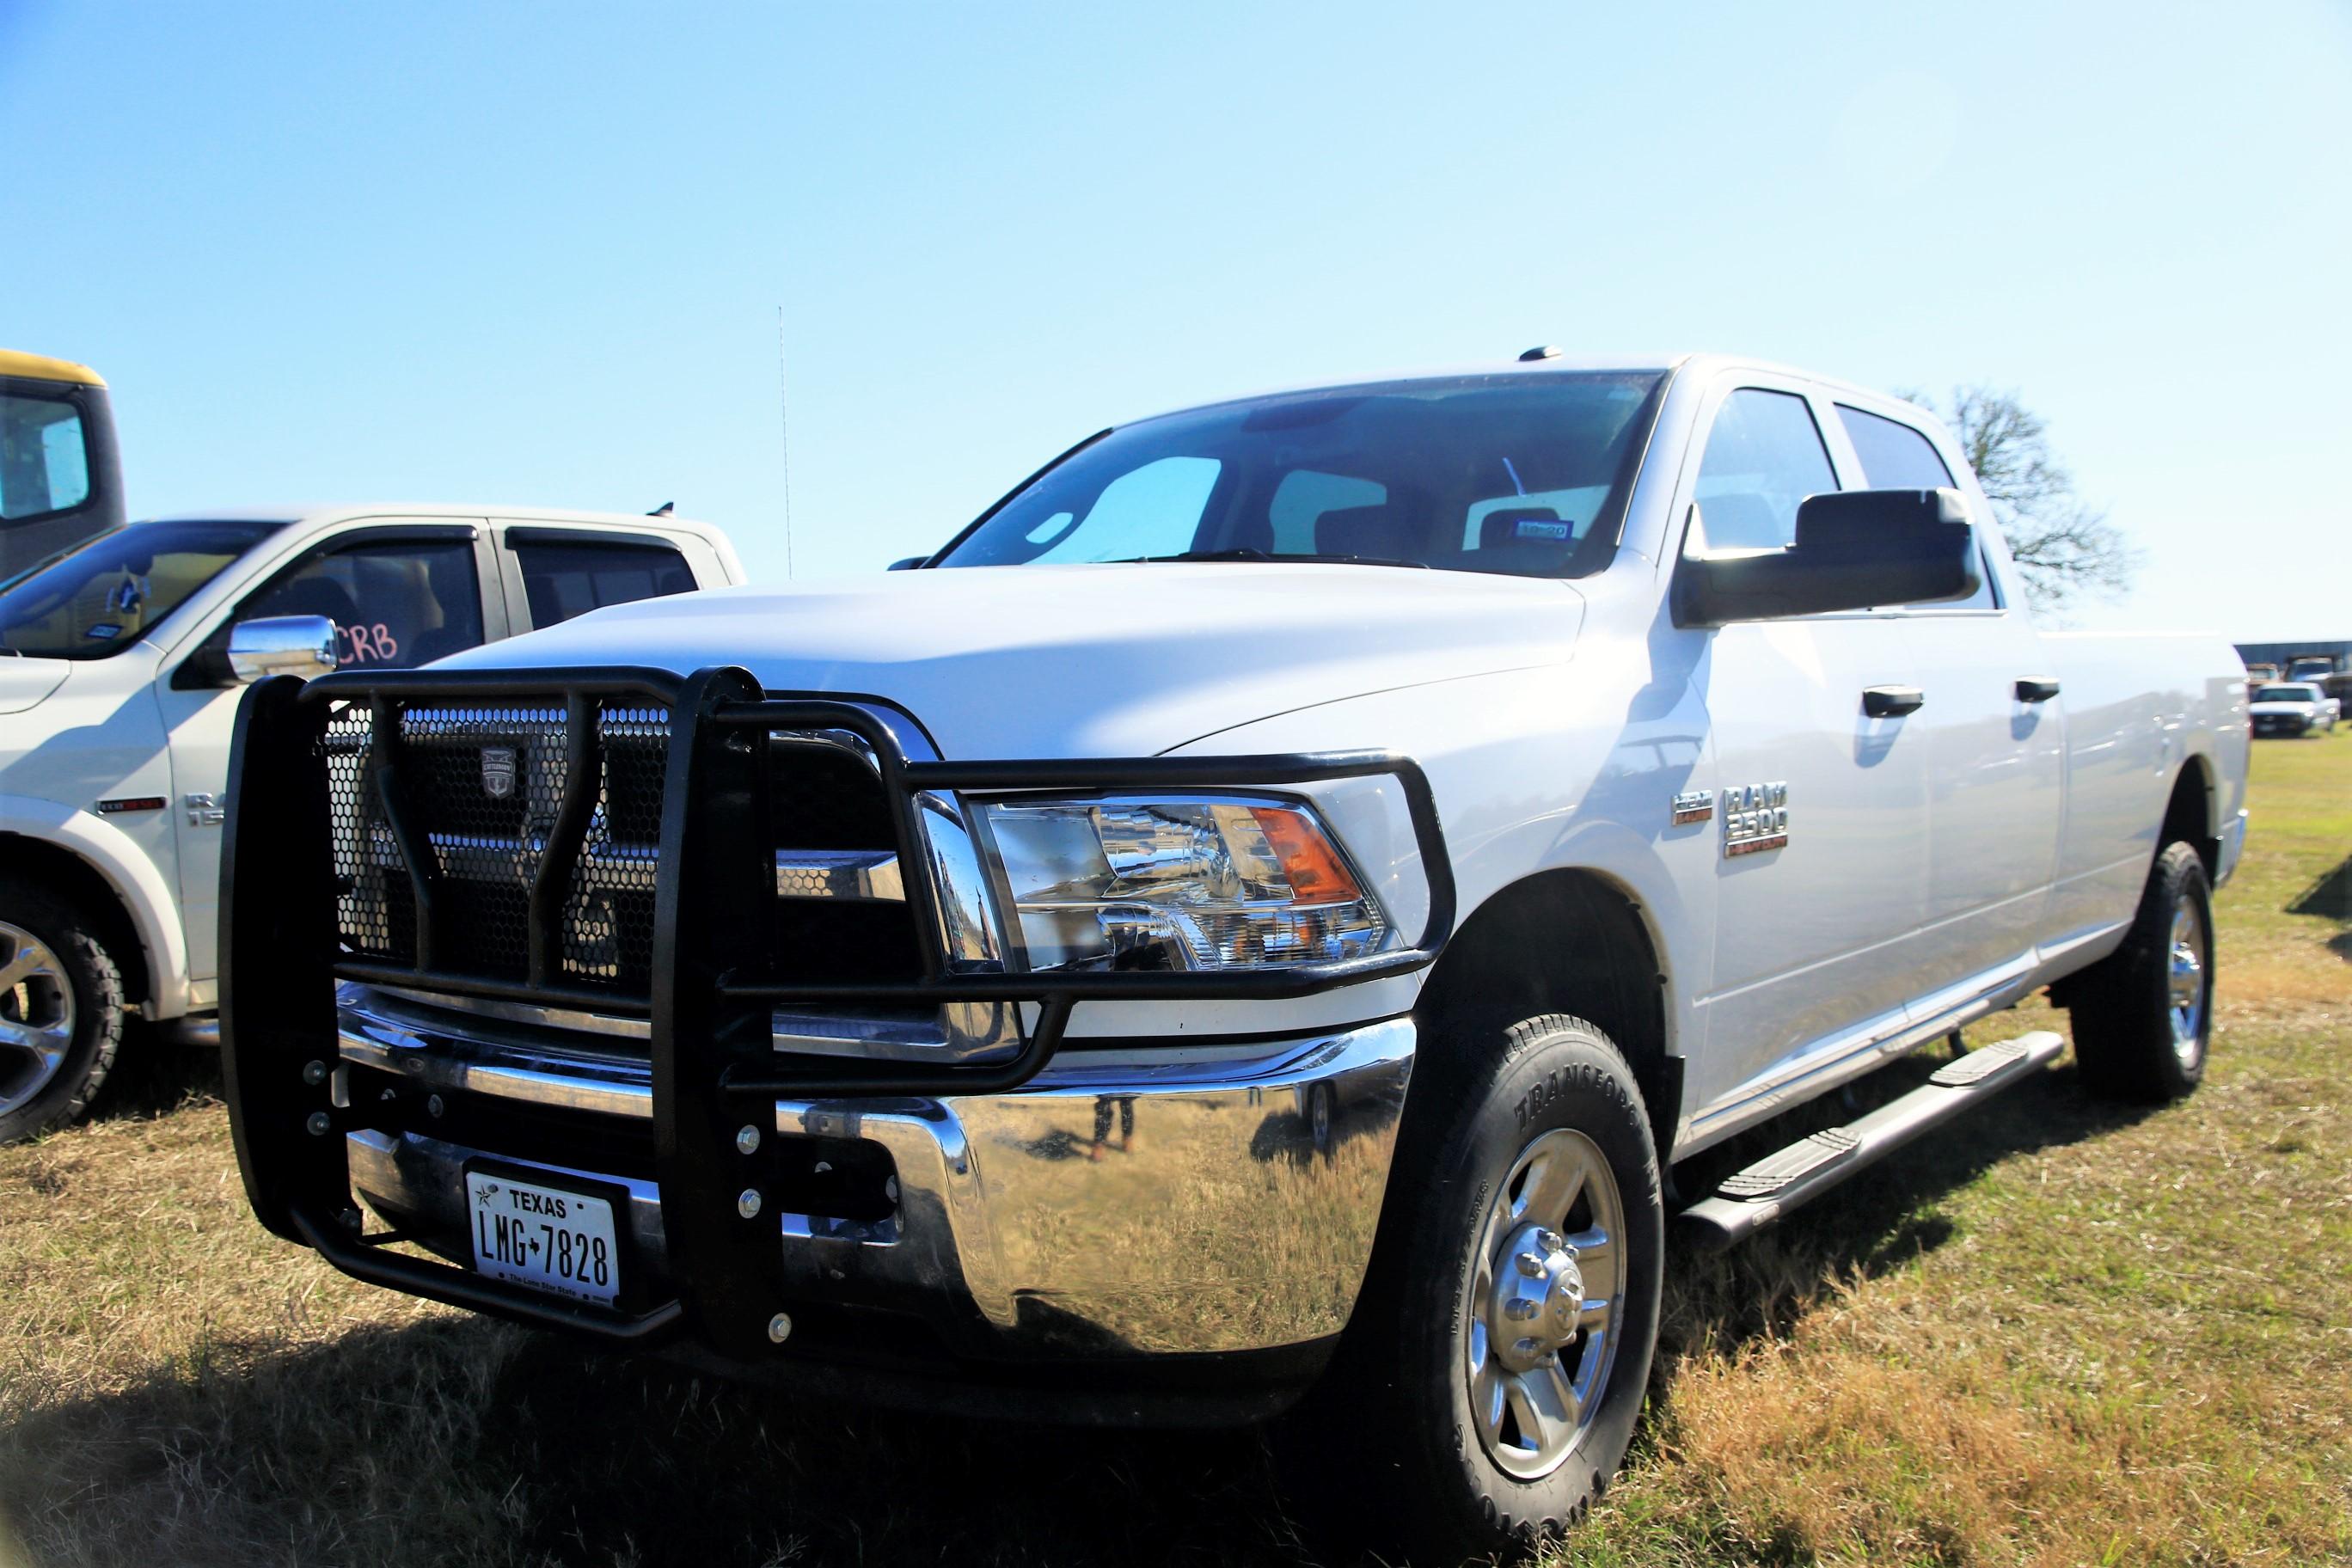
1261 915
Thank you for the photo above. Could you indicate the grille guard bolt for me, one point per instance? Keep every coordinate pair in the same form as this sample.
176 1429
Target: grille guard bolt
319 1123
748 1202
314 1073
747 1141
435 1106
780 1328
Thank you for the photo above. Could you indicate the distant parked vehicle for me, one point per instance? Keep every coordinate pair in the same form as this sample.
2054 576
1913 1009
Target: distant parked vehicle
2286 708
131 654
60 479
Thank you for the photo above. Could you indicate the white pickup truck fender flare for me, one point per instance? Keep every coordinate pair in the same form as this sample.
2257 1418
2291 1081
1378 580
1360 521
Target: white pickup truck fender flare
149 902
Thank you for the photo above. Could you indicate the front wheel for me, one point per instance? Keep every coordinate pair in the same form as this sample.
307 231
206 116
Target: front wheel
1494 1370
60 1011
2143 1016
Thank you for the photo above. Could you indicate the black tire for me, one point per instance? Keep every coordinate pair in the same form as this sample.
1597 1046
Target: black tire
2131 1040
1387 1453
34 1098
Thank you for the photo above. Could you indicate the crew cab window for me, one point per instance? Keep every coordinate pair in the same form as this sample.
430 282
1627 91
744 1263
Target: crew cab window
1764 456
567 579
43 467
395 604
1894 456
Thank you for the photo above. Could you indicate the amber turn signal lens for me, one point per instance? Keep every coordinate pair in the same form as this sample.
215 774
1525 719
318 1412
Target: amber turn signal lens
1316 873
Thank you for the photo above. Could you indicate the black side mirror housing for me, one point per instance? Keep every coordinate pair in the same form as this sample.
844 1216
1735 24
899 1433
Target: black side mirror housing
909 563
1855 550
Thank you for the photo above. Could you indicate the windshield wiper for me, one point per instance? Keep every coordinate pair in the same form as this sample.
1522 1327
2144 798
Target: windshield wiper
1251 553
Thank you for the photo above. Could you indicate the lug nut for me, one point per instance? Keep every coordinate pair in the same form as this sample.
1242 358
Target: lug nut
1521 1308
747 1141
350 1219
1531 1264
1526 1348
748 1202
435 1106
319 1123
780 1328
314 1073
1552 1241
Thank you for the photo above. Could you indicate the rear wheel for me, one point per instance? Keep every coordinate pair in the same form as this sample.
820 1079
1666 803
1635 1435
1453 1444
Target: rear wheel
60 1012
2143 1016
1496 1363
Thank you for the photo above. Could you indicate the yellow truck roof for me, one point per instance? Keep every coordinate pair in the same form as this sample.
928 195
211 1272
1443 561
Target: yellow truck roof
41 367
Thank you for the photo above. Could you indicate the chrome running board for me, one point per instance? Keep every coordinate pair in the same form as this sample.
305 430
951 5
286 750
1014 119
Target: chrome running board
1787 1178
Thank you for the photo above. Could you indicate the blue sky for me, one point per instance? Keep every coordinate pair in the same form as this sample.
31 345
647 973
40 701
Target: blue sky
535 255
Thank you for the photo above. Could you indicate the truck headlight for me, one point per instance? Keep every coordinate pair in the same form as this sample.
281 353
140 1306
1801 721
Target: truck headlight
1177 883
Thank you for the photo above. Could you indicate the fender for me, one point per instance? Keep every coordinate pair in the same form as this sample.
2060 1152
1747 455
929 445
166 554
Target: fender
151 904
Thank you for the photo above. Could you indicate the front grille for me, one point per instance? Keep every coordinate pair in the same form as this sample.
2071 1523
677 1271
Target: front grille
482 786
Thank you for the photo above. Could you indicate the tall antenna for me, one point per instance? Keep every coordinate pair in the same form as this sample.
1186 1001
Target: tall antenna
785 434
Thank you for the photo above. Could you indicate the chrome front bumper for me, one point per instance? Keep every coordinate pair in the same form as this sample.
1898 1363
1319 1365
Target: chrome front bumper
1206 1198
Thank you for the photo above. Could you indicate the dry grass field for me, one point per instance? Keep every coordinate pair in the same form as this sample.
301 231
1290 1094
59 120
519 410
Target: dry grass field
2059 1332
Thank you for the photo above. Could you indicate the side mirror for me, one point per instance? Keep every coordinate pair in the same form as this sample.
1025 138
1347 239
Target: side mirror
909 563
281 645
1856 550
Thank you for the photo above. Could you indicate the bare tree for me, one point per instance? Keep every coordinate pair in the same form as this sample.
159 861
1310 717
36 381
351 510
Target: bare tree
2066 549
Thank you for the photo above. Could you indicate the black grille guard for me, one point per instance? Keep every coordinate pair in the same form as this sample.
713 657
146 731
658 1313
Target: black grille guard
710 1006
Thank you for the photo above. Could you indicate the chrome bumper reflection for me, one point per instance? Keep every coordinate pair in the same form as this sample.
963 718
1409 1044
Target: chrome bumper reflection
1212 1198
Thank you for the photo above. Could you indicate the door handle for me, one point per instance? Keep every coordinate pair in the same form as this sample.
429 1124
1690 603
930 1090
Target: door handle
1891 702
2036 687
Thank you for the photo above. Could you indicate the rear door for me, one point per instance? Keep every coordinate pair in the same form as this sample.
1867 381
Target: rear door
1995 760
1819 808
400 594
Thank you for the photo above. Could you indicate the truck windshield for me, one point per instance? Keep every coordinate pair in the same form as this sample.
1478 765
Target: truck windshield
100 598
1520 473
2287 694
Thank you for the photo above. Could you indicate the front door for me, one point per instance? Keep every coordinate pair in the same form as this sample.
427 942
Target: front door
398 597
1819 808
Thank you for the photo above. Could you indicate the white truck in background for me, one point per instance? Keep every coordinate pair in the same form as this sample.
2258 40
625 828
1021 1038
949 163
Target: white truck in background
1277 909
120 665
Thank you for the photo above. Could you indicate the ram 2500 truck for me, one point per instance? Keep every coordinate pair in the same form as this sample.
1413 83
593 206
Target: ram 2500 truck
1262 914
121 661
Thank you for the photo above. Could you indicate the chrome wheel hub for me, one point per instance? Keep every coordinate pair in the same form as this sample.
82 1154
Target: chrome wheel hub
2191 947
36 1017
1546 1302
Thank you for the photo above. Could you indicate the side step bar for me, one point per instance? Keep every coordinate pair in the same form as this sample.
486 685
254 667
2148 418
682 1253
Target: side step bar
1787 1178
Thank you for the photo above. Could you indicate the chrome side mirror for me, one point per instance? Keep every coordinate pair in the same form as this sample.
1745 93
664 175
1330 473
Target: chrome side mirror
281 645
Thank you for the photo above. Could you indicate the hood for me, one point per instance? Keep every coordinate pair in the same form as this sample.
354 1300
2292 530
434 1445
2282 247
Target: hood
1084 661
27 681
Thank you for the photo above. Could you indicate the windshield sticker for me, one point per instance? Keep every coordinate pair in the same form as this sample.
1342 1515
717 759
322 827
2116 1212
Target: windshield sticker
105 631
1530 528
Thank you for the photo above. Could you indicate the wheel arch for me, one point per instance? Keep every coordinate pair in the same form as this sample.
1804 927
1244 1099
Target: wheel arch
78 879
2192 813
1573 941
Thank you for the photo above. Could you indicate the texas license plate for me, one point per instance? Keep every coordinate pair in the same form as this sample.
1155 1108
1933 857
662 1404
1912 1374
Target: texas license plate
551 1239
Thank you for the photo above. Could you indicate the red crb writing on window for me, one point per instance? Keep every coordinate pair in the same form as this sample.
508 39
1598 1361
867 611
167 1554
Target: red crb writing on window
366 644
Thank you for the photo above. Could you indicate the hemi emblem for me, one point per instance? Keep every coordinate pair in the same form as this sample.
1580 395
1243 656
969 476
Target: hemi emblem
498 771
1755 818
1693 806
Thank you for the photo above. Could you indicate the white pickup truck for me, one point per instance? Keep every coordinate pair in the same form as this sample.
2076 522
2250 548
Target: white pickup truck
1265 912
121 664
